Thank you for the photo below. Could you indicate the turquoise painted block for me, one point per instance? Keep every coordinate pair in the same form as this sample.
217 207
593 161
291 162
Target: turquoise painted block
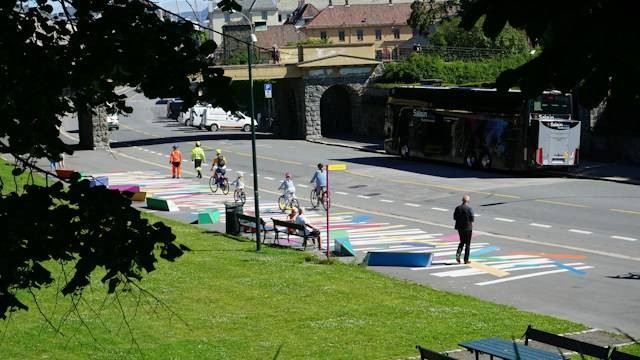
209 217
404 259
342 247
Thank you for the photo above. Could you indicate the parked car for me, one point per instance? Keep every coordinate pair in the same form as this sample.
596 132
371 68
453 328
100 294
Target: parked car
113 122
159 108
174 108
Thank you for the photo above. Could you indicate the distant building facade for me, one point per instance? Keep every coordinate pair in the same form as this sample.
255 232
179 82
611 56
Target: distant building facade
384 25
263 14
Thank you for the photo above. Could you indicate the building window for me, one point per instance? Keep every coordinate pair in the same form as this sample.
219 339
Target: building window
323 35
264 15
279 18
378 34
341 35
396 33
227 17
360 35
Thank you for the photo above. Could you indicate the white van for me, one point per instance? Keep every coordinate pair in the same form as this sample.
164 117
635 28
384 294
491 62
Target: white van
196 115
217 118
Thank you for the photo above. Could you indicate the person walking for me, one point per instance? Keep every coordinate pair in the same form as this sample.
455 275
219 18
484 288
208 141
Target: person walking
463 215
175 159
198 157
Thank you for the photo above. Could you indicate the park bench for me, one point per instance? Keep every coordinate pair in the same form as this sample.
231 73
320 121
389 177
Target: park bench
618 355
581 347
426 354
508 350
249 222
283 227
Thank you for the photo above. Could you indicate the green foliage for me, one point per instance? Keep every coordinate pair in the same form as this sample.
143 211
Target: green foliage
235 303
450 34
588 49
419 67
309 42
241 58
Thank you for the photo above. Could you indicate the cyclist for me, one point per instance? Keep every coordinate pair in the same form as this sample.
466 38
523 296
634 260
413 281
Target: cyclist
320 179
288 188
175 159
198 157
239 183
219 164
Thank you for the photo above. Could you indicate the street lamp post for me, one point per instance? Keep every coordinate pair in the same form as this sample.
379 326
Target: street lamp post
256 198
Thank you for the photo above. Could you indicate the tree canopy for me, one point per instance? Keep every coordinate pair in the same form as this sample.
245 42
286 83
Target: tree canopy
54 65
587 47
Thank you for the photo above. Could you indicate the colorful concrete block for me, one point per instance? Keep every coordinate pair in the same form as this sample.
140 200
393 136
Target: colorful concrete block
125 187
161 204
405 259
210 217
64 173
342 247
99 181
139 196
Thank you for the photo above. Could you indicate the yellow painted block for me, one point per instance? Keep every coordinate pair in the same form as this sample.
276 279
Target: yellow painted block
337 167
139 196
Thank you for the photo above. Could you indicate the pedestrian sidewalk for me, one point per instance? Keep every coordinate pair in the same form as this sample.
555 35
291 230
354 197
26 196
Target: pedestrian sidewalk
621 173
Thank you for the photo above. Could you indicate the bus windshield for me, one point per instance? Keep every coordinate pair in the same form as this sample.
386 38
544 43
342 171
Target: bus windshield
551 104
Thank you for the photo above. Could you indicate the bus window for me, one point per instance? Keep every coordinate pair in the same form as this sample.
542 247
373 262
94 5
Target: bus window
551 104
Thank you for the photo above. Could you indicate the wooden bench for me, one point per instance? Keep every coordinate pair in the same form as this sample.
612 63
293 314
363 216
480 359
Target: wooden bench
562 342
509 350
426 354
250 222
283 227
619 355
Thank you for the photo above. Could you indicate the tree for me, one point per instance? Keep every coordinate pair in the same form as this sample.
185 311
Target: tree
53 65
587 47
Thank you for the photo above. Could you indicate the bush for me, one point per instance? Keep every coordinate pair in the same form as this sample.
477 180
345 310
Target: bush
240 58
419 67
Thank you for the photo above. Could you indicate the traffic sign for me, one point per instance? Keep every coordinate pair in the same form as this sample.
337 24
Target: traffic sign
337 167
267 91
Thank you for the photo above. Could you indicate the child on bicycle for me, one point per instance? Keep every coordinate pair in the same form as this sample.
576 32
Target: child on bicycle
239 184
288 188
320 180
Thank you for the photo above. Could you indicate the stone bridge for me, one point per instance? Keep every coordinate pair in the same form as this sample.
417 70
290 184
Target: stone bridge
319 91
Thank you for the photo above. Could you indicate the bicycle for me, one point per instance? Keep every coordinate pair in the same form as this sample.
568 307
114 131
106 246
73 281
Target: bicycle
239 196
219 181
323 199
283 205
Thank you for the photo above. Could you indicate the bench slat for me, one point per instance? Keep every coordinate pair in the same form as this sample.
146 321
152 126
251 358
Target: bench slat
507 350
566 343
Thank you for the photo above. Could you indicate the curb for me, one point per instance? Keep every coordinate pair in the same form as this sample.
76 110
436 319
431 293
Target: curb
556 173
355 147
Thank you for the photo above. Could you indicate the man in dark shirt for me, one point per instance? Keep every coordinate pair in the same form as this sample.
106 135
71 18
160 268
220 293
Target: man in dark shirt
463 215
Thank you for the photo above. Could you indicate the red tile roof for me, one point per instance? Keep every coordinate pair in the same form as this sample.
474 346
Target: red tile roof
361 15
280 35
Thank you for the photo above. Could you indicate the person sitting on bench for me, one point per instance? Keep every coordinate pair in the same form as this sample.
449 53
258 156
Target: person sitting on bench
302 220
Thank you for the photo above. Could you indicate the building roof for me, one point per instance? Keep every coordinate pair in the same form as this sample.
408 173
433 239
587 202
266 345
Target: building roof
260 5
361 15
290 5
280 35
304 13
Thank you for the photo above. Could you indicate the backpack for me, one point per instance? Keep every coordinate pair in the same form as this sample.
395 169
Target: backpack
221 162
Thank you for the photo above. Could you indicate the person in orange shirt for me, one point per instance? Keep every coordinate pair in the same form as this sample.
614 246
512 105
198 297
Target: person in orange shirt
175 159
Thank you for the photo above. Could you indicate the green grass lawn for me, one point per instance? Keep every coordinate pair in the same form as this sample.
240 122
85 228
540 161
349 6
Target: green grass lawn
228 302
9 183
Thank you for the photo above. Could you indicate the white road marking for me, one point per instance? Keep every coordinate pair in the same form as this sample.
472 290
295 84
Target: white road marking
146 150
303 186
504 220
530 275
341 193
440 209
268 178
386 201
412 204
540 225
623 238
364 197
580 231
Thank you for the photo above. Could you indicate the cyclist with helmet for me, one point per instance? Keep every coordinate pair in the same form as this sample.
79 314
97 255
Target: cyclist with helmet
288 188
219 164
175 159
320 180
198 157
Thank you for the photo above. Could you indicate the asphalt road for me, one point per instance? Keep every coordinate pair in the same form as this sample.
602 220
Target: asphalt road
545 244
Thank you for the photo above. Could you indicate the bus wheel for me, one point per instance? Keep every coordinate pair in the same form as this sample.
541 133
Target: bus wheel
470 160
404 151
485 161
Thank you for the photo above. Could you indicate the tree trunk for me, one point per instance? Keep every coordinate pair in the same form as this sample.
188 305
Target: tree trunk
85 127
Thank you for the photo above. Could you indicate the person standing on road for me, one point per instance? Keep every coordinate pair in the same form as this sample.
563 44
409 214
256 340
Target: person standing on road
198 157
175 159
463 215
